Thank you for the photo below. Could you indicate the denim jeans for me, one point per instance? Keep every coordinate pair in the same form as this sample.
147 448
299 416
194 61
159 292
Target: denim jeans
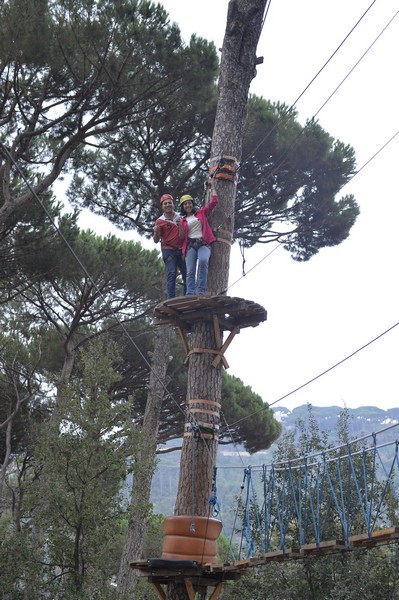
174 261
200 256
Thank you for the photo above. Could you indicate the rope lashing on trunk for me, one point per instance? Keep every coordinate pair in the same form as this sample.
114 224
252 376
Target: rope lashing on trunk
203 401
210 351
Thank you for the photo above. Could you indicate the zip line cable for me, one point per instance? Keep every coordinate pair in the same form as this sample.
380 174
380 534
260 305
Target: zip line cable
278 246
357 63
168 395
275 169
76 257
87 274
300 387
314 78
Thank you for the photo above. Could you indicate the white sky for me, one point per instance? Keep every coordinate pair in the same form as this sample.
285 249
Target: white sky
322 311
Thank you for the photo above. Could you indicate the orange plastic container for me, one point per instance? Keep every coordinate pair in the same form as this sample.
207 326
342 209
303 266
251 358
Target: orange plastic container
191 538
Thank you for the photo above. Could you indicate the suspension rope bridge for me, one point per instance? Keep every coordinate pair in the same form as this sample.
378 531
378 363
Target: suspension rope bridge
336 500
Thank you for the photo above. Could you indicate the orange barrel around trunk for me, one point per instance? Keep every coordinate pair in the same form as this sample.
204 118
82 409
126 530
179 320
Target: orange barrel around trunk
180 543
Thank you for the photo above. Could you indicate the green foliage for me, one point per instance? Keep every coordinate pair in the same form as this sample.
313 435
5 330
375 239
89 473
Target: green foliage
24 31
290 176
361 573
357 575
72 502
109 75
30 248
249 420
289 183
246 418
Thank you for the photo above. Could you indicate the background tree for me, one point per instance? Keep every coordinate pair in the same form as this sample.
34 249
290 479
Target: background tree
106 77
353 575
97 70
289 177
72 503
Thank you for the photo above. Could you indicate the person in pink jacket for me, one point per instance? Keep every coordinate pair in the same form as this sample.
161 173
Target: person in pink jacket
197 239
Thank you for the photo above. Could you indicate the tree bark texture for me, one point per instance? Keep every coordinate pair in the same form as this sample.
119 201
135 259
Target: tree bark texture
141 486
244 23
238 62
198 456
237 69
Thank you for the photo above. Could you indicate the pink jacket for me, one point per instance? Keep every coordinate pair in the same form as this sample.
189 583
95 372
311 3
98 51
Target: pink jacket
201 214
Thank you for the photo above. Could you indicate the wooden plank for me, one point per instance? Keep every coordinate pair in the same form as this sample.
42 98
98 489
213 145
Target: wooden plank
216 329
322 546
190 588
232 312
241 563
361 539
385 533
160 591
216 592
277 556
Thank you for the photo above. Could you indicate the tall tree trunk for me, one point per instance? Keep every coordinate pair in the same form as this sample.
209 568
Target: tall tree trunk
237 69
141 486
238 62
198 455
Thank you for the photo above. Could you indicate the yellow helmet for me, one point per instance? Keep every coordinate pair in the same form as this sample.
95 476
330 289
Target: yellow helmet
185 198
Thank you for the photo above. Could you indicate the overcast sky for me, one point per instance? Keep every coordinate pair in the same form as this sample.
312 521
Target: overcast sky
324 310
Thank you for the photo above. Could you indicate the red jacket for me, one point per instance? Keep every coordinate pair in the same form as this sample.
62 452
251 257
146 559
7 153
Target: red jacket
170 239
201 214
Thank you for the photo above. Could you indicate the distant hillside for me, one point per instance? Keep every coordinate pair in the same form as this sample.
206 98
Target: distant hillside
363 420
231 460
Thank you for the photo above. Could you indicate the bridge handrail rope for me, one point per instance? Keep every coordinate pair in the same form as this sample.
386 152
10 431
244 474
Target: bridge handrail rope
349 492
281 463
247 524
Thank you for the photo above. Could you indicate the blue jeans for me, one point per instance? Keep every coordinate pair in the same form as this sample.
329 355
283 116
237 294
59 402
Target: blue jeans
174 261
193 256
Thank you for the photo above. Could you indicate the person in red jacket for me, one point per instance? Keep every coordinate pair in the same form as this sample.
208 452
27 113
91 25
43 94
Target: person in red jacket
198 237
168 230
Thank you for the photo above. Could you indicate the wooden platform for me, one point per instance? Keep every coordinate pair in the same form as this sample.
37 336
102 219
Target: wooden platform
232 313
161 572
164 570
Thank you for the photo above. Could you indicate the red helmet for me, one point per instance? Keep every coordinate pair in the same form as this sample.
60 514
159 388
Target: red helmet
165 197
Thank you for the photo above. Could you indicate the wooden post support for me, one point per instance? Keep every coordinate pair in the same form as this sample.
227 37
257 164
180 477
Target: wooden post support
216 592
225 346
160 591
190 589
183 339
216 329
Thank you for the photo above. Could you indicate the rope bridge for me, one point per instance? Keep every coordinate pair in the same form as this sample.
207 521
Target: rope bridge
339 498
335 500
